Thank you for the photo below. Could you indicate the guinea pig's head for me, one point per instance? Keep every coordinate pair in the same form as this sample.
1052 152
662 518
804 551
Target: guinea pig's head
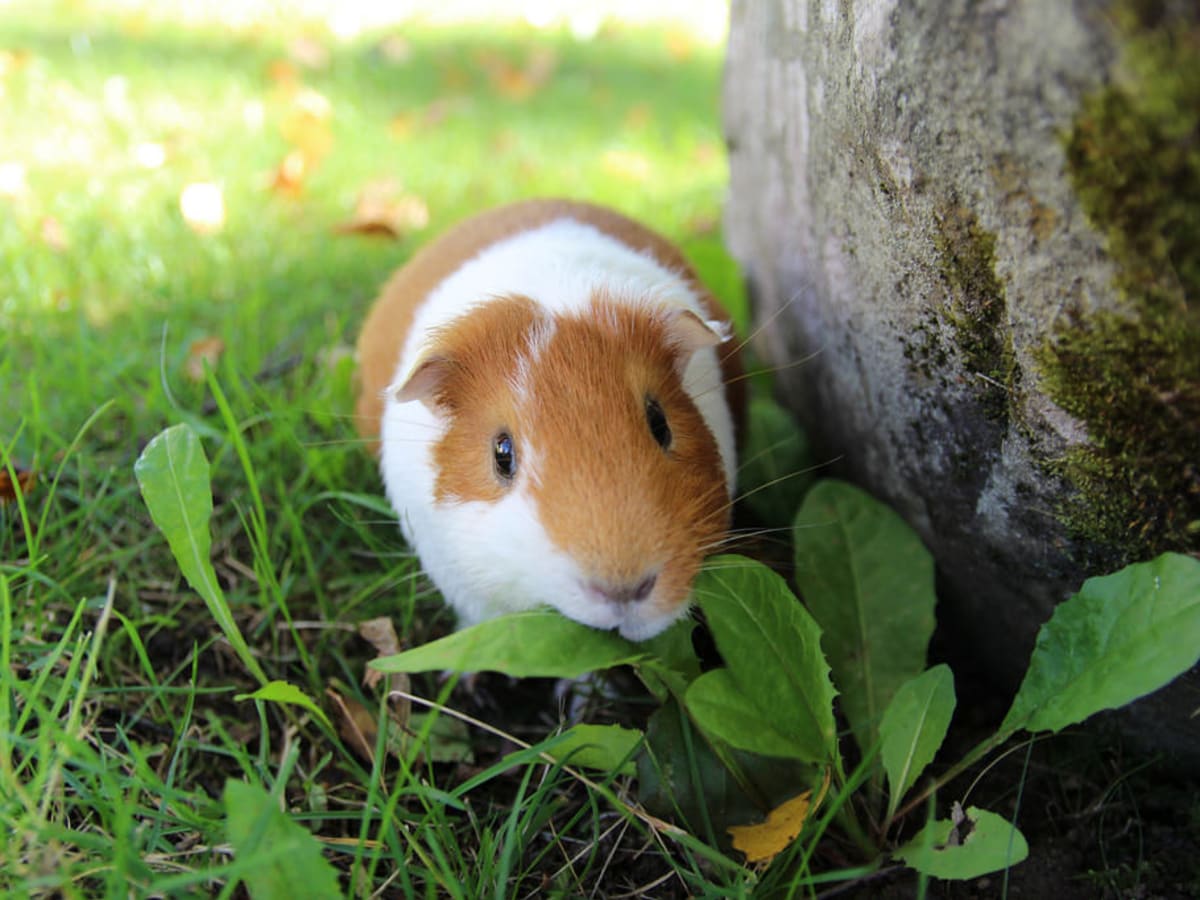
590 479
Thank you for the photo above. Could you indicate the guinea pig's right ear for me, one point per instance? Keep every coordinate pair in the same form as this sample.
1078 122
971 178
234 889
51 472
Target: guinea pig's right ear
424 382
687 333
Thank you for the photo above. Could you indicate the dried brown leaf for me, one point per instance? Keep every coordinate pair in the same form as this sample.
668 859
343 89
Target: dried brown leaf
380 633
519 82
26 480
355 724
201 352
383 209
289 176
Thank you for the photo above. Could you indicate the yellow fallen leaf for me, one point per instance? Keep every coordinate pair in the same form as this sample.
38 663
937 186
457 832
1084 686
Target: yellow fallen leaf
288 177
307 125
13 61
203 207
680 44
284 75
762 842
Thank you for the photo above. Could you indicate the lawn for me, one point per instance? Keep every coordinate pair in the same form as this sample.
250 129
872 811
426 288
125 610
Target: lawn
193 221
198 203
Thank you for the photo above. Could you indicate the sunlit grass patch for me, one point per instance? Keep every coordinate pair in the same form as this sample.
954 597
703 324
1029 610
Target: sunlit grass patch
179 202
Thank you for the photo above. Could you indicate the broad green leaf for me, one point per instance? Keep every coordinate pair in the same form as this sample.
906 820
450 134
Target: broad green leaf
720 708
537 643
868 581
772 651
608 748
173 476
286 692
1121 637
281 859
982 842
913 728
776 464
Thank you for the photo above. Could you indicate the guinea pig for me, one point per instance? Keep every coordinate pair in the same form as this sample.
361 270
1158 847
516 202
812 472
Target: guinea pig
552 394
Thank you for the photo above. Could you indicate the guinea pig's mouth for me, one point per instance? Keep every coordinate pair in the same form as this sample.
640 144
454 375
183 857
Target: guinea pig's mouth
635 628
633 620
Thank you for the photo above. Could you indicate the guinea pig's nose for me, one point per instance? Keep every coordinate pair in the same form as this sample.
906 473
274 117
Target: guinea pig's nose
625 593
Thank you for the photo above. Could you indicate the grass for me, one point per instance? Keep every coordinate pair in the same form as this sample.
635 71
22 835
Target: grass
118 720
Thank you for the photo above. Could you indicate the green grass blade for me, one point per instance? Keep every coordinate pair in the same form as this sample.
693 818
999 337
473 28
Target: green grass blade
285 692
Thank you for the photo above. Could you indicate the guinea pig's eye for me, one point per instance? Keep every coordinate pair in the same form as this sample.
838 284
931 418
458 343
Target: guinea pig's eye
657 420
504 455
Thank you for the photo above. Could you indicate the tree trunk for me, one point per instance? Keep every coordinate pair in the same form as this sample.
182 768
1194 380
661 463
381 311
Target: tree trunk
982 220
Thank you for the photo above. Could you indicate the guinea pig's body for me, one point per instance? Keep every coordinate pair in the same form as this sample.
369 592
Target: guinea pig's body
547 385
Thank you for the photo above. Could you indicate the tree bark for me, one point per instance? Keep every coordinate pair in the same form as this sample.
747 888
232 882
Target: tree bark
982 220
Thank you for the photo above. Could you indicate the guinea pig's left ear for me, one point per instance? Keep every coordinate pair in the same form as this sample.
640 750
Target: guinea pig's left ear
688 333
424 382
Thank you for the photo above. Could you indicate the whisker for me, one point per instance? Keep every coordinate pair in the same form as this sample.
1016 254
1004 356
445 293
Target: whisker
765 451
770 370
774 481
763 325
764 535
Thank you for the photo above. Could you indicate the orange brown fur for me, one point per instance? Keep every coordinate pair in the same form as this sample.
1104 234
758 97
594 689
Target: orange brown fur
660 509
476 395
387 325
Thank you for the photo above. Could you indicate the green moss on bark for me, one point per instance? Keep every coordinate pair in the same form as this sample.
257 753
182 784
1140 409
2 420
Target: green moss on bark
977 308
1133 377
